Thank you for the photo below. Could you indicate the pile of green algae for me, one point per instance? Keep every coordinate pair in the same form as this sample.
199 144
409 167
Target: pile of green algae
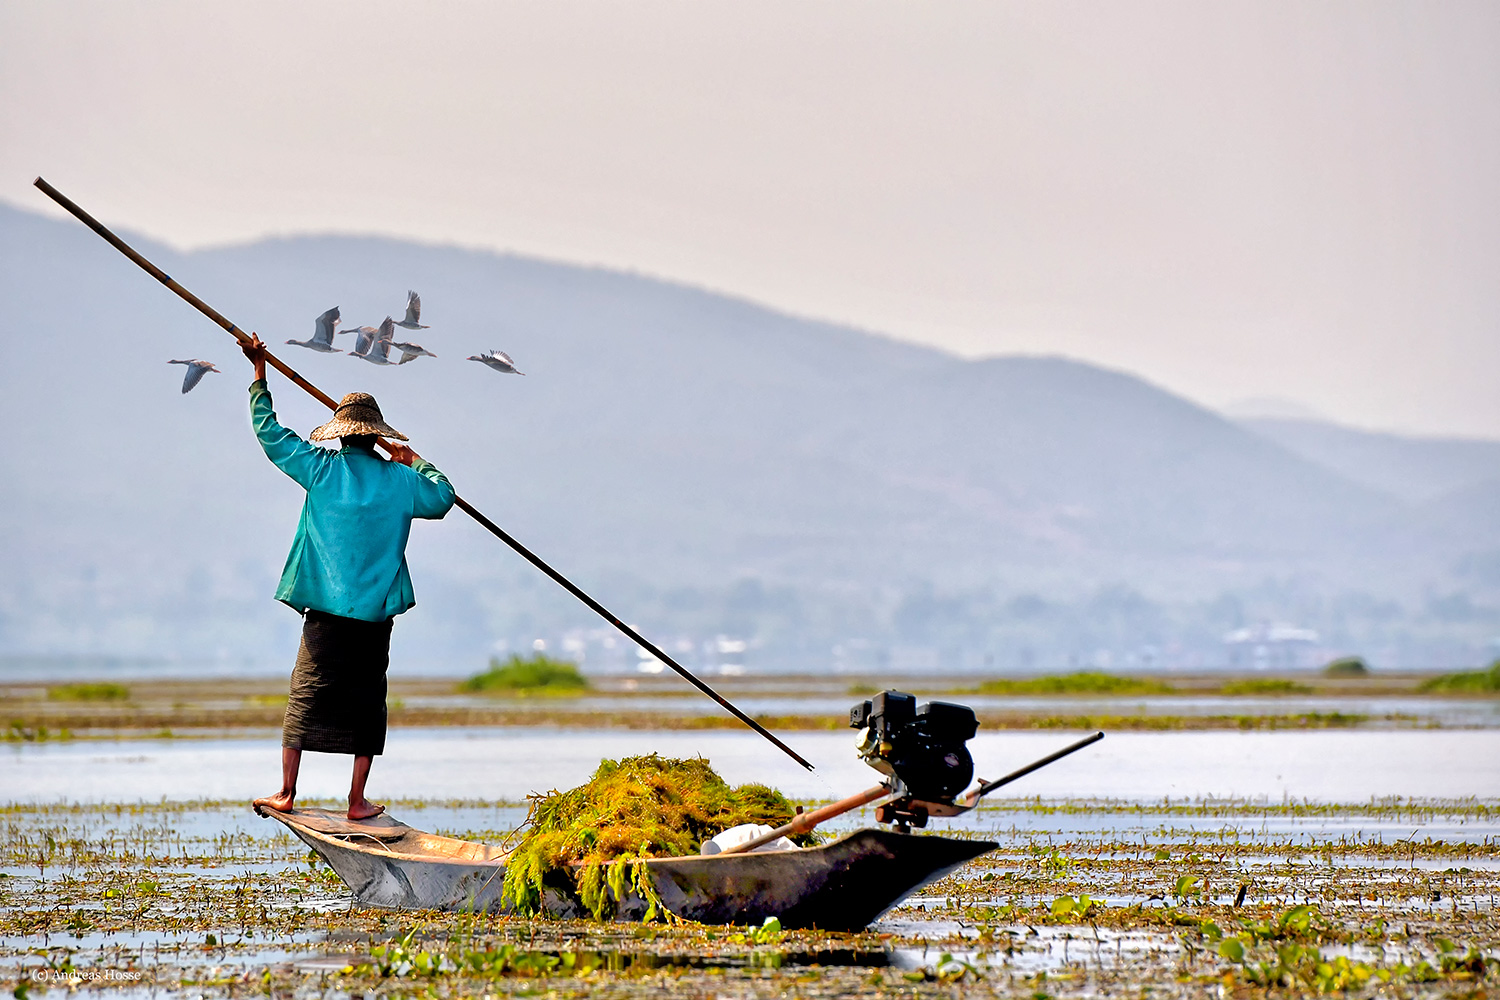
597 835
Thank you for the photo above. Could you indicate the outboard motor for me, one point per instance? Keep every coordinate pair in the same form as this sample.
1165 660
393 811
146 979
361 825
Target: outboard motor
921 747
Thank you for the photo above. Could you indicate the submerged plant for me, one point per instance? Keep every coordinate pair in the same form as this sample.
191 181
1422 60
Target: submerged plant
630 810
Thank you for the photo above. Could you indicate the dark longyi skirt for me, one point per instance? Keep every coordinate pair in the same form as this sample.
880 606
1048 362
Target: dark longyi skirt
337 701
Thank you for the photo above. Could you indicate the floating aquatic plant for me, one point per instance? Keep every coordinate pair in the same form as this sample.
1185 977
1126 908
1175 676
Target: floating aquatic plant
631 809
1074 907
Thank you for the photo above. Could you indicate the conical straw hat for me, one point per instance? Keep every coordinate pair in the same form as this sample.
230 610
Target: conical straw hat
358 413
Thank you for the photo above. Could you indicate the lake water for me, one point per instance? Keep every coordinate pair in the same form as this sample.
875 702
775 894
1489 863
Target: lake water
1346 766
1423 711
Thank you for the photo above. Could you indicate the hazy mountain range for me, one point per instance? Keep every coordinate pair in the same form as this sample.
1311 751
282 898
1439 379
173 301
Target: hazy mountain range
703 465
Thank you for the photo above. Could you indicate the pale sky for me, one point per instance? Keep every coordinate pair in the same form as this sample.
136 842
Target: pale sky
1233 200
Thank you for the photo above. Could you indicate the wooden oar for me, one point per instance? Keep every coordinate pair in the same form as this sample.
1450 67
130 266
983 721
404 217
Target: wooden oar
805 821
491 526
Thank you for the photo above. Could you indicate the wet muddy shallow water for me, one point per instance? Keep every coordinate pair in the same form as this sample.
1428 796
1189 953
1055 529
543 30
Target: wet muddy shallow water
1174 863
206 899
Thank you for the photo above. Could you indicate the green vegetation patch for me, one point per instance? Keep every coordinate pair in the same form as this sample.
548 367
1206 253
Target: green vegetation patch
1082 682
1264 685
535 675
1346 666
1466 682
88 692
631 809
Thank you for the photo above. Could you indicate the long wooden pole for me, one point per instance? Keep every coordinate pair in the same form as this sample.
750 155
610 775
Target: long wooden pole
468 508
805 821
972 798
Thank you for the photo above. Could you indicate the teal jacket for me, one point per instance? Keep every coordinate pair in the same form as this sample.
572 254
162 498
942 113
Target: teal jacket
349 556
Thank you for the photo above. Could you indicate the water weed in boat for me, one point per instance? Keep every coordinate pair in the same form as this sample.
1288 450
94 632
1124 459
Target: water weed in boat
631 809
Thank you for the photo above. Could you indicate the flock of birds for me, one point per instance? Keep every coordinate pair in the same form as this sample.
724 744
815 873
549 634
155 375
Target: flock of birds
372 343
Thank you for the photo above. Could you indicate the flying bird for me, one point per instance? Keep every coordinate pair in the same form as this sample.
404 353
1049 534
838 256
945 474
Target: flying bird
374 345
410 351
364 339
324 327
413 312
498 360
195 372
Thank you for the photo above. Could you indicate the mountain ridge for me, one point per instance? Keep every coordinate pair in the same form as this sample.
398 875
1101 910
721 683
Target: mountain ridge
1412 467
665 439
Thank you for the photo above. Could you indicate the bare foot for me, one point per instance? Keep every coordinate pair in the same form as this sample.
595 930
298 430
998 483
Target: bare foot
280 802
364 809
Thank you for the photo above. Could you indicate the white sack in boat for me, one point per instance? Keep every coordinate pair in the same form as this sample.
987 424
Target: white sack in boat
736 835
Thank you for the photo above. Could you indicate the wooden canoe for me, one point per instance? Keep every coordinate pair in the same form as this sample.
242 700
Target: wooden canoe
839 886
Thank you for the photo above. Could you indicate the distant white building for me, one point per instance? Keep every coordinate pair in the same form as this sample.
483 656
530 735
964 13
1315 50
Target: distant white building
727 655
1272 647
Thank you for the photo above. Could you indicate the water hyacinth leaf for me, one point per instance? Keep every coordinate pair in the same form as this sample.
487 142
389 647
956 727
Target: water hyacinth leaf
769 932
1232 949
951 970
1297 919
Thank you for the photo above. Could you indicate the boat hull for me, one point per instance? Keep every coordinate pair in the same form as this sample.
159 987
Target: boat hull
841 886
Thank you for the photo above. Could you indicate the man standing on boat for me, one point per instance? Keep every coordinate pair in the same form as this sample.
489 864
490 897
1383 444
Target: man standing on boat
346 575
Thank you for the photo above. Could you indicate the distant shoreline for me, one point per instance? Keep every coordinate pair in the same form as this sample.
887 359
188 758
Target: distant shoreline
220 708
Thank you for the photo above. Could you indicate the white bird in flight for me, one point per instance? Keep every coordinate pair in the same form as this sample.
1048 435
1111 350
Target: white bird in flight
413 312
324 327
410 351
195 372
498 360
374 345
